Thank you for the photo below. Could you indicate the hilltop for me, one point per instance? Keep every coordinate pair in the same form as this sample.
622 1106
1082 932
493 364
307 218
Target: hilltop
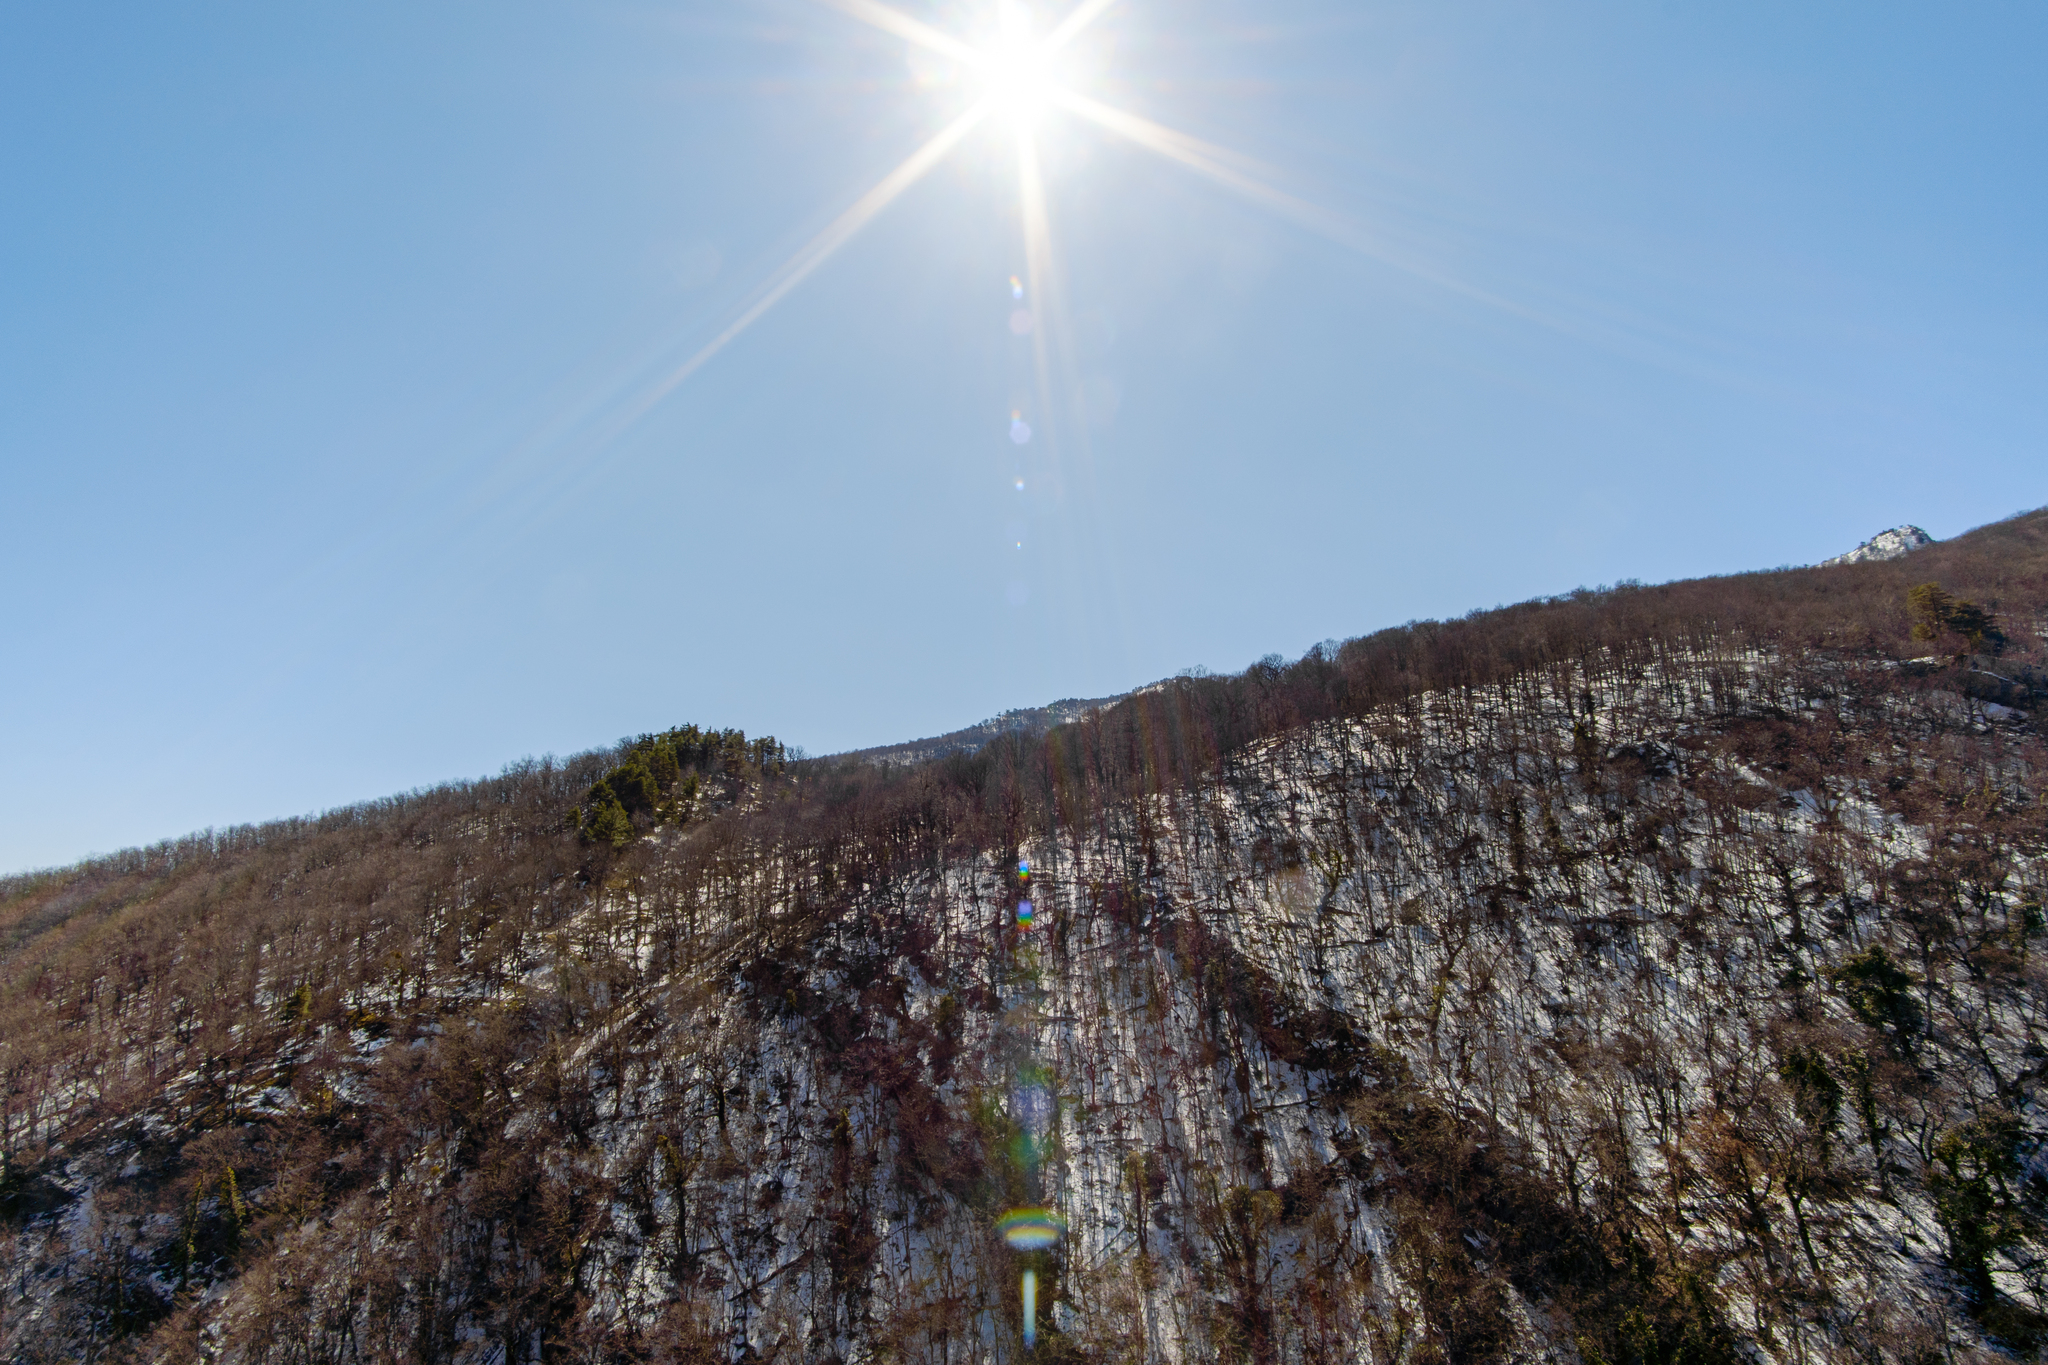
1892 544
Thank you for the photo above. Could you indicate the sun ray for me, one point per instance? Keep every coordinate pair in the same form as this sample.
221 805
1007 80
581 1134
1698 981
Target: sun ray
1216 163
1192 152
1015 70
1038 272
820 248
1084 14
903 26
1003 63
1017 82
1068 469
1171 142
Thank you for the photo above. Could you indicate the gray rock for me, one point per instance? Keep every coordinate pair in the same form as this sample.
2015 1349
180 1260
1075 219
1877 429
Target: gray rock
1892 544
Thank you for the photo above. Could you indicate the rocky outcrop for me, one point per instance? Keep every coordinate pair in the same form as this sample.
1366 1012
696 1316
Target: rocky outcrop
1892 544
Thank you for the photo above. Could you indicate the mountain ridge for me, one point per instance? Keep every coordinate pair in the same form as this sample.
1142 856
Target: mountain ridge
1645 974
1023 720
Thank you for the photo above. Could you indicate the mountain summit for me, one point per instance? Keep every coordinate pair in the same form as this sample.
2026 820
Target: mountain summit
1892 544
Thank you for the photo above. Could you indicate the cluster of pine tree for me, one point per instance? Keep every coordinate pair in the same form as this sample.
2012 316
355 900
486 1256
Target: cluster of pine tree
1939 613
661 780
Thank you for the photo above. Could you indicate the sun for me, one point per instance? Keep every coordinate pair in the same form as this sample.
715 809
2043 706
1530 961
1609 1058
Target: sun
1017 66
1018 74
1021 78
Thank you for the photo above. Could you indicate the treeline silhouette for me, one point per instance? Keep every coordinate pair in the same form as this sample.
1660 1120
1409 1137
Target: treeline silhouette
1176 732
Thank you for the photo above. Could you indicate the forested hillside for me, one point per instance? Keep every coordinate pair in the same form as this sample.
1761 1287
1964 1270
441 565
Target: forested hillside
1653 974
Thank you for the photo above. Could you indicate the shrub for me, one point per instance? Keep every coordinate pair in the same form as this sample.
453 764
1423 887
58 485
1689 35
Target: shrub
1977 1167
1880 992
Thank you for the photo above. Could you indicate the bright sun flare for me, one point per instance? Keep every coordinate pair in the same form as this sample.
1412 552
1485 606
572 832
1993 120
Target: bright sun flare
1020 80
1018 73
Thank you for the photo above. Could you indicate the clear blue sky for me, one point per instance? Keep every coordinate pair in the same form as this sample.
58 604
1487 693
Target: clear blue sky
319 326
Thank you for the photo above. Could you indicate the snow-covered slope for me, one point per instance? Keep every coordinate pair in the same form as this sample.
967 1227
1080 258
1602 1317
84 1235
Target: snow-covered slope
1511 1023
1655 975
1892 544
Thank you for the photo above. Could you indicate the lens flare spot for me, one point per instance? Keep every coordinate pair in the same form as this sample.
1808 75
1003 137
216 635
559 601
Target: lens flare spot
1032 1105
1020 485
1020 430
1016 287
1029 1291
1024 915
1023 864
1021 322
1031 1229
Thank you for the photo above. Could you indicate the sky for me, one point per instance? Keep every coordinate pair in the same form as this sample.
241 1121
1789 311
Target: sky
346 445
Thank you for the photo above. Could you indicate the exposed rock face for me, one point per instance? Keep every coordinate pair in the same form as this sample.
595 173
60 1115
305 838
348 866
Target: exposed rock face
1892 544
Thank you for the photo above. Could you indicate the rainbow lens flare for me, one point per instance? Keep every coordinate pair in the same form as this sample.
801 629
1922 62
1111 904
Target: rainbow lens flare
1024 914
1032 1105
1031 1229
1016 287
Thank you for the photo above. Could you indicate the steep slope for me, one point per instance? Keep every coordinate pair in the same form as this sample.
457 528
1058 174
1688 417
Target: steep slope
1652 975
